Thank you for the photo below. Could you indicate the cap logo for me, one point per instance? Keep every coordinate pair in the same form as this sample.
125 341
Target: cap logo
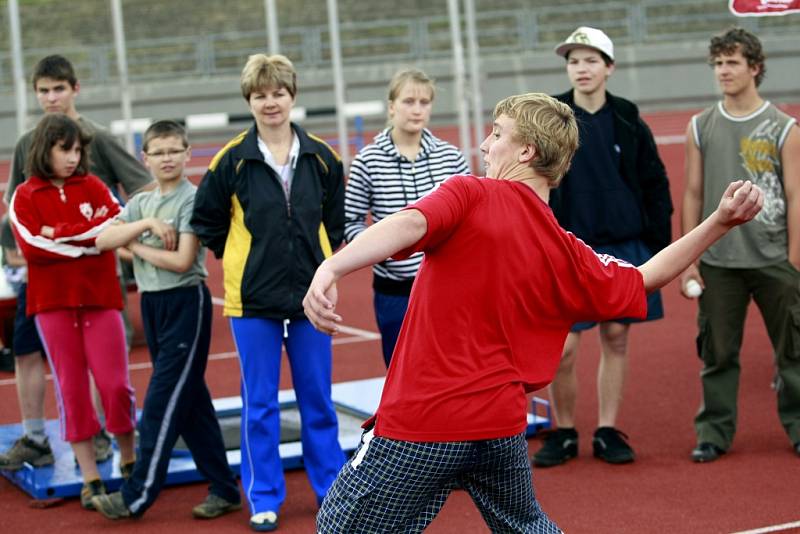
580 37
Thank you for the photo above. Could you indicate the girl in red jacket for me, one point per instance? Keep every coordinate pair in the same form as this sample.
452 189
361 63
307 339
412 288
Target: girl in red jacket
73 290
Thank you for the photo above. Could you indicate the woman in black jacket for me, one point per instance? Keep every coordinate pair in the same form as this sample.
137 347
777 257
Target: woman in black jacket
272 207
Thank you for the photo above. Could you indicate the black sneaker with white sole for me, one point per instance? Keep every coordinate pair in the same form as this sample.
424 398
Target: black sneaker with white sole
706 452
559 446
610 444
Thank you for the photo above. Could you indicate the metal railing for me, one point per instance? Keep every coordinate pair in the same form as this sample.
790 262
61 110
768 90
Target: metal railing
402 40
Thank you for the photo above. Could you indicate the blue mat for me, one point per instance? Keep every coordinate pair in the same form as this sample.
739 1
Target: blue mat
355 401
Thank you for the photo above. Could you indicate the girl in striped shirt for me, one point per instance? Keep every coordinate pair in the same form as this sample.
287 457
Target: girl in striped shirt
404 163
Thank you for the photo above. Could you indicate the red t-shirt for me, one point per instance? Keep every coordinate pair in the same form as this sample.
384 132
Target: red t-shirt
497 292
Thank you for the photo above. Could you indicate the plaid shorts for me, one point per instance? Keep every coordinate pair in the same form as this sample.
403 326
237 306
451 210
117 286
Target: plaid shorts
400 486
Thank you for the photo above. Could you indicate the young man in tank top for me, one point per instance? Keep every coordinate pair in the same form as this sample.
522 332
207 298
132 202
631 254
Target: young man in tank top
744 136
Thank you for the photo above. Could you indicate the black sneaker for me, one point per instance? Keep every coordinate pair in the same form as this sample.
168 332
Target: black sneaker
797 448
609 444
706 452
559 446
26 451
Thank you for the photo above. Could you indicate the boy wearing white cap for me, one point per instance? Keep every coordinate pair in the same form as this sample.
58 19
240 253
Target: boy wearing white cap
616 198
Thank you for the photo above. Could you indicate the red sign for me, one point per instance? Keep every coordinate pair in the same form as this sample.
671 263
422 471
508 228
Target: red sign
763 8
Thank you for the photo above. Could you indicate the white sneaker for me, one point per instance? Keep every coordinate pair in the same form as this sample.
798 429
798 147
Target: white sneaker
264 521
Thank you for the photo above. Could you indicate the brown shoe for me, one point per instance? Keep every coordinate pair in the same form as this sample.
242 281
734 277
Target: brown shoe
90 489
215 506
26 451
111 506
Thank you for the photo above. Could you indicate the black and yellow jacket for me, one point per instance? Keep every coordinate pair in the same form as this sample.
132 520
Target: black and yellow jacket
269 247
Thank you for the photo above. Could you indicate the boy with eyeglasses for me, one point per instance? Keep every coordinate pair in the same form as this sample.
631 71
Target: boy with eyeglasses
169 265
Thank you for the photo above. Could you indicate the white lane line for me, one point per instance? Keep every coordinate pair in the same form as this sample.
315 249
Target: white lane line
670 139
774 528
367 336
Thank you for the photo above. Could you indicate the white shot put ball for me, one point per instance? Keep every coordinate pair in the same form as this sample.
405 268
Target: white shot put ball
693 289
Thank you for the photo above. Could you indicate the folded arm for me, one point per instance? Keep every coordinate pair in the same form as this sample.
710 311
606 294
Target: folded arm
178 260
121 234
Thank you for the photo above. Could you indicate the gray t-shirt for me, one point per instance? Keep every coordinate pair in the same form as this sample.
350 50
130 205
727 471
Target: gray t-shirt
109 161
174 208
745 148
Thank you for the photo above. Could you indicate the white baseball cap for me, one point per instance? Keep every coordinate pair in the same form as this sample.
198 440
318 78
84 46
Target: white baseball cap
586 37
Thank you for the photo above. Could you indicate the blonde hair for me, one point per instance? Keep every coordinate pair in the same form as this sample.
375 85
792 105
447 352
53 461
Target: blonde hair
549 125
262 71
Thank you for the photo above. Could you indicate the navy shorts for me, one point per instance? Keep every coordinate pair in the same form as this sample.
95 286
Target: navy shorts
636 253
26 336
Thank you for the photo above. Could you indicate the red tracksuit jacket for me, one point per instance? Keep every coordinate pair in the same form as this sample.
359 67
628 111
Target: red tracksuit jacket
67 271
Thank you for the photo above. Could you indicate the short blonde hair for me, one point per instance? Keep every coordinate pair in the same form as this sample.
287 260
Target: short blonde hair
549 125
263 71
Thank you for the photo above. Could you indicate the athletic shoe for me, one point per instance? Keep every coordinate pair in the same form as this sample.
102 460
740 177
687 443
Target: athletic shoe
111 506
102 446
27 451
264 521
215 506
706 452
797 448
126 470
103 449
609 444
559 446
90 491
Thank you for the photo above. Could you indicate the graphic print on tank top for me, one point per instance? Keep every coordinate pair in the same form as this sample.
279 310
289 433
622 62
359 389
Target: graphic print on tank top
761 161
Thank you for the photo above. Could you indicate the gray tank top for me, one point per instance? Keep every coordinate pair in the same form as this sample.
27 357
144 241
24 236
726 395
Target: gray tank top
745 148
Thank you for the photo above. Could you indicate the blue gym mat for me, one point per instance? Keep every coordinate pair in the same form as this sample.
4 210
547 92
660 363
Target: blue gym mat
354 401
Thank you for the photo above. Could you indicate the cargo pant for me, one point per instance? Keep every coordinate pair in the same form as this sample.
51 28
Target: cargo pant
723 307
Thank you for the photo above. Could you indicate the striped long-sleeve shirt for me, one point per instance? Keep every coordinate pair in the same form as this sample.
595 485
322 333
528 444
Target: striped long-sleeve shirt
382 182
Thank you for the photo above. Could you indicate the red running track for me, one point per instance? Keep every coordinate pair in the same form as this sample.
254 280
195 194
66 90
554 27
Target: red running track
754 486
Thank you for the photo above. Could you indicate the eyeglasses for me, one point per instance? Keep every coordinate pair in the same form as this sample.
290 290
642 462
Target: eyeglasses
164 153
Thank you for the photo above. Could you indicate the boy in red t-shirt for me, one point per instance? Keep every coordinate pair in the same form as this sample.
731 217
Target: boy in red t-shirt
494 299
